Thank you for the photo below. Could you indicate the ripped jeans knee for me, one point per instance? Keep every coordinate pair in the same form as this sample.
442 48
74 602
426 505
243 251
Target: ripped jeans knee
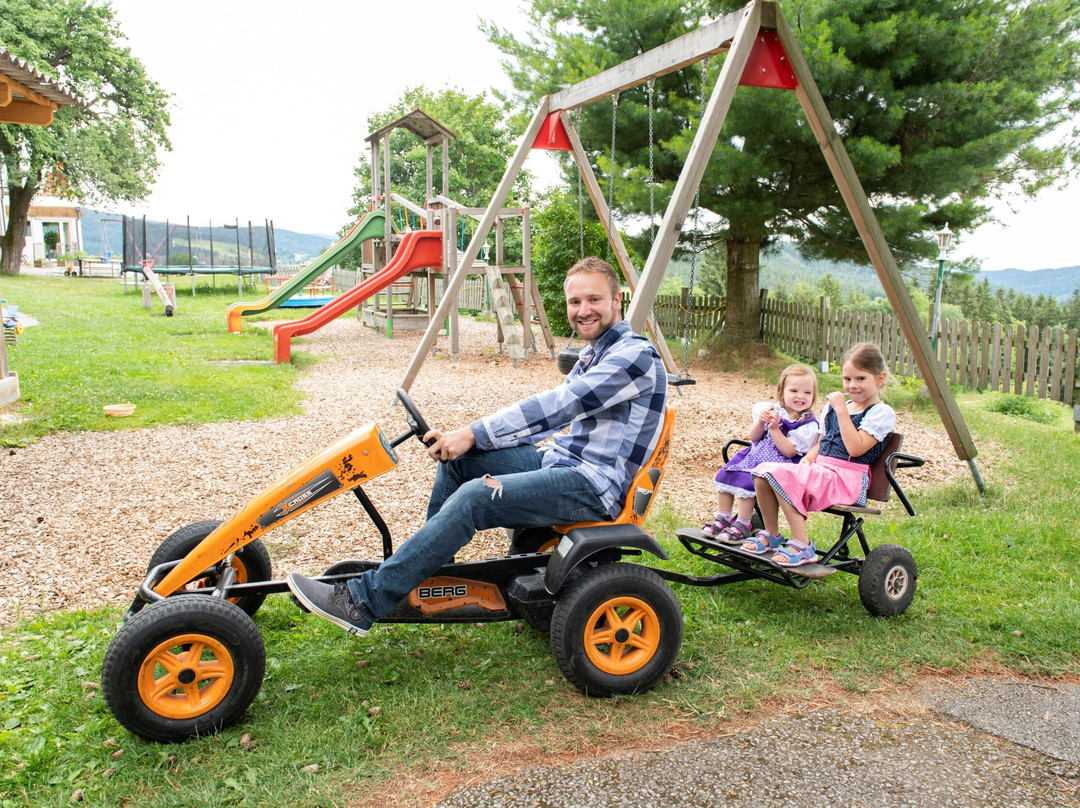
494 485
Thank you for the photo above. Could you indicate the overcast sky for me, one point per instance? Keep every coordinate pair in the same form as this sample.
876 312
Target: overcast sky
271 99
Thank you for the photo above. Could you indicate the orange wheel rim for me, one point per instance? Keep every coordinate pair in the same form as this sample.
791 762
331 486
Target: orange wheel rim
185 676
622 635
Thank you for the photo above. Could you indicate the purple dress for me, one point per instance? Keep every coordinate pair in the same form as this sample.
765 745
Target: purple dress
734 478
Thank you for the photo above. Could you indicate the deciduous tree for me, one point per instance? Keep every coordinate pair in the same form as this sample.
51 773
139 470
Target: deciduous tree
107 150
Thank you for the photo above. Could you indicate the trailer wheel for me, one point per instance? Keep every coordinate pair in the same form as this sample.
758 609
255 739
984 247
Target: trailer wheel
251 562
616 629
887 580
184 666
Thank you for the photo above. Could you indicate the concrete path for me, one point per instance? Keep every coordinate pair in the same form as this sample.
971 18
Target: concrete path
980 742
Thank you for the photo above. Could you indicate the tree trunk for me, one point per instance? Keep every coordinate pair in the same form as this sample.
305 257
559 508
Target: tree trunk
13 240
743 317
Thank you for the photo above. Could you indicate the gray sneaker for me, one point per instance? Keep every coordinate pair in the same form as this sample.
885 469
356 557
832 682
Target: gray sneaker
331 601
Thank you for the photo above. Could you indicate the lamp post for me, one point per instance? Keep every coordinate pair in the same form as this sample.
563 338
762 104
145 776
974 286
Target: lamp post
945 239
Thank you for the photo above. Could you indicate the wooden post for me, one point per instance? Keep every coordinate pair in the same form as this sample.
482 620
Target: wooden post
451 252
388 230
3 348
823 338
446 166
428 185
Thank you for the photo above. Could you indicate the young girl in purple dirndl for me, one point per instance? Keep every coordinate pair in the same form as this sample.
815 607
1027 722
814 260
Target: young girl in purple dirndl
784 430
854 433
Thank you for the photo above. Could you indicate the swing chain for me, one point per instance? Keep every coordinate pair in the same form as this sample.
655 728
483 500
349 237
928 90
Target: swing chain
654 320
652 169
611 172
684 373
580 202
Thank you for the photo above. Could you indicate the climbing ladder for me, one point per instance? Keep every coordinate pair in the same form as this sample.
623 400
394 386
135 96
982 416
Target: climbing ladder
504 312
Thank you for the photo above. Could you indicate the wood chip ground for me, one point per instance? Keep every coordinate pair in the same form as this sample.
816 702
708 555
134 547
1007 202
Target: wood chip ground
82 513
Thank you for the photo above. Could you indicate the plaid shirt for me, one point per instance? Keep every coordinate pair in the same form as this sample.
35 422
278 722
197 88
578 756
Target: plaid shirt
613 402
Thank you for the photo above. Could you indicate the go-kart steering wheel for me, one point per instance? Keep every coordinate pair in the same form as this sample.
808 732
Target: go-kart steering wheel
417 425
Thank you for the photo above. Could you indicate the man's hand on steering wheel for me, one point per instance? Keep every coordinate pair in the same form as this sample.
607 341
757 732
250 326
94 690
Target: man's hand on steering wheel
450 445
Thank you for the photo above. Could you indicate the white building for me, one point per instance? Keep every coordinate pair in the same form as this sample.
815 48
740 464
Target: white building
50 214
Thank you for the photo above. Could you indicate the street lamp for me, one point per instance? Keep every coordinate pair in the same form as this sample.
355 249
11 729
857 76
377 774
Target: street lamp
945 239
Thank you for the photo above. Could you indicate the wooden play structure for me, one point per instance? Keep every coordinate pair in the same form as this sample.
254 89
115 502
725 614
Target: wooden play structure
761 51
409 303
401 271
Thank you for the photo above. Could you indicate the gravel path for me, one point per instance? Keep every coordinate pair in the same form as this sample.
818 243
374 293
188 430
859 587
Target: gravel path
82 513
982 742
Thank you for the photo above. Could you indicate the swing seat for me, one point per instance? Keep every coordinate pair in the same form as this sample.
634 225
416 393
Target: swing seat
681 381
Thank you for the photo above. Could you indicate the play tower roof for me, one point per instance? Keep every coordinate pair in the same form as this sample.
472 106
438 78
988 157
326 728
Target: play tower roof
419 123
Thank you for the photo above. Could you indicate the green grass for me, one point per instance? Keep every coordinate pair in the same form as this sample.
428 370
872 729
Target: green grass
392 714
997 589
95 346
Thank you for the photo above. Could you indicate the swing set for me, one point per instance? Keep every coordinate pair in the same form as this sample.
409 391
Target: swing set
761 51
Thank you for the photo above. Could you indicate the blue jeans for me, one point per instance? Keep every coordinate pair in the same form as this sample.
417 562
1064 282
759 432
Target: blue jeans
462 502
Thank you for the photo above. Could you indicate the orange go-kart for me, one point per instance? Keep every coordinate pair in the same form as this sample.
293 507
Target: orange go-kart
189 658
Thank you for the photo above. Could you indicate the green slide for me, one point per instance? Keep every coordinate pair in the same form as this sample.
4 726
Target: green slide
373 225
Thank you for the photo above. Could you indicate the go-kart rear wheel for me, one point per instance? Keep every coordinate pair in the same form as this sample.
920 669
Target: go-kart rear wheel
887 580
616 629
251 562
184 666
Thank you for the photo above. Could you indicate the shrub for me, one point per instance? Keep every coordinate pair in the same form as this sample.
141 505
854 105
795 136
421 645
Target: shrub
1032 409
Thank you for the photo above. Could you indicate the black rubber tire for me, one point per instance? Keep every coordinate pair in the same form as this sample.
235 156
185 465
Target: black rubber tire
251 562
236 666
575 627
887 580
568 357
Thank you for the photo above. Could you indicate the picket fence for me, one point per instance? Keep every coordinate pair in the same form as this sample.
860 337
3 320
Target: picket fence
1025 360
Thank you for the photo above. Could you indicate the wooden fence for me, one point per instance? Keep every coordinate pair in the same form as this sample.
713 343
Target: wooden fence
1026 360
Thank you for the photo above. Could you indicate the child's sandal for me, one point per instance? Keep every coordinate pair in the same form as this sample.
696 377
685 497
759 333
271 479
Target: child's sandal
763 542
734 534
715 526
794 553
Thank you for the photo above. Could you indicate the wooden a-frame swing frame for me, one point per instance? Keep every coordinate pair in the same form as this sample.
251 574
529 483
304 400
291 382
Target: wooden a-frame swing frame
757 36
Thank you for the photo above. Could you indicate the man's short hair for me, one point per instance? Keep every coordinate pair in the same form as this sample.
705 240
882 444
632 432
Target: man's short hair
600 267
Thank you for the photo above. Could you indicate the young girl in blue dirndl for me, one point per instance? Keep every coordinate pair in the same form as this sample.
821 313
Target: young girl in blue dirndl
784 430
854 433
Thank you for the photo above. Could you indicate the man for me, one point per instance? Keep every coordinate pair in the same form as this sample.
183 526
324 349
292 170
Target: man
493 475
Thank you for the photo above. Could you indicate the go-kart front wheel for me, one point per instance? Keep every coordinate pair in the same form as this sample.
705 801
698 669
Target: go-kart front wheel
184 666
616 629
250 563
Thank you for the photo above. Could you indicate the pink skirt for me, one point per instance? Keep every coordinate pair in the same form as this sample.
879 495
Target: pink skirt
819 485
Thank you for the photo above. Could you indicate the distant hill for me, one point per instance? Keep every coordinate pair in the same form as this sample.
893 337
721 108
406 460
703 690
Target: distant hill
1056 283
785 267
103 232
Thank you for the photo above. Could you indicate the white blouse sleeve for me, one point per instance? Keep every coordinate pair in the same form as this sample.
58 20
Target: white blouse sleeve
804 437
880 421
821 419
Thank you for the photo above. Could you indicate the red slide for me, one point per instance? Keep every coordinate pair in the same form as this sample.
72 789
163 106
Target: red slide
418 250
